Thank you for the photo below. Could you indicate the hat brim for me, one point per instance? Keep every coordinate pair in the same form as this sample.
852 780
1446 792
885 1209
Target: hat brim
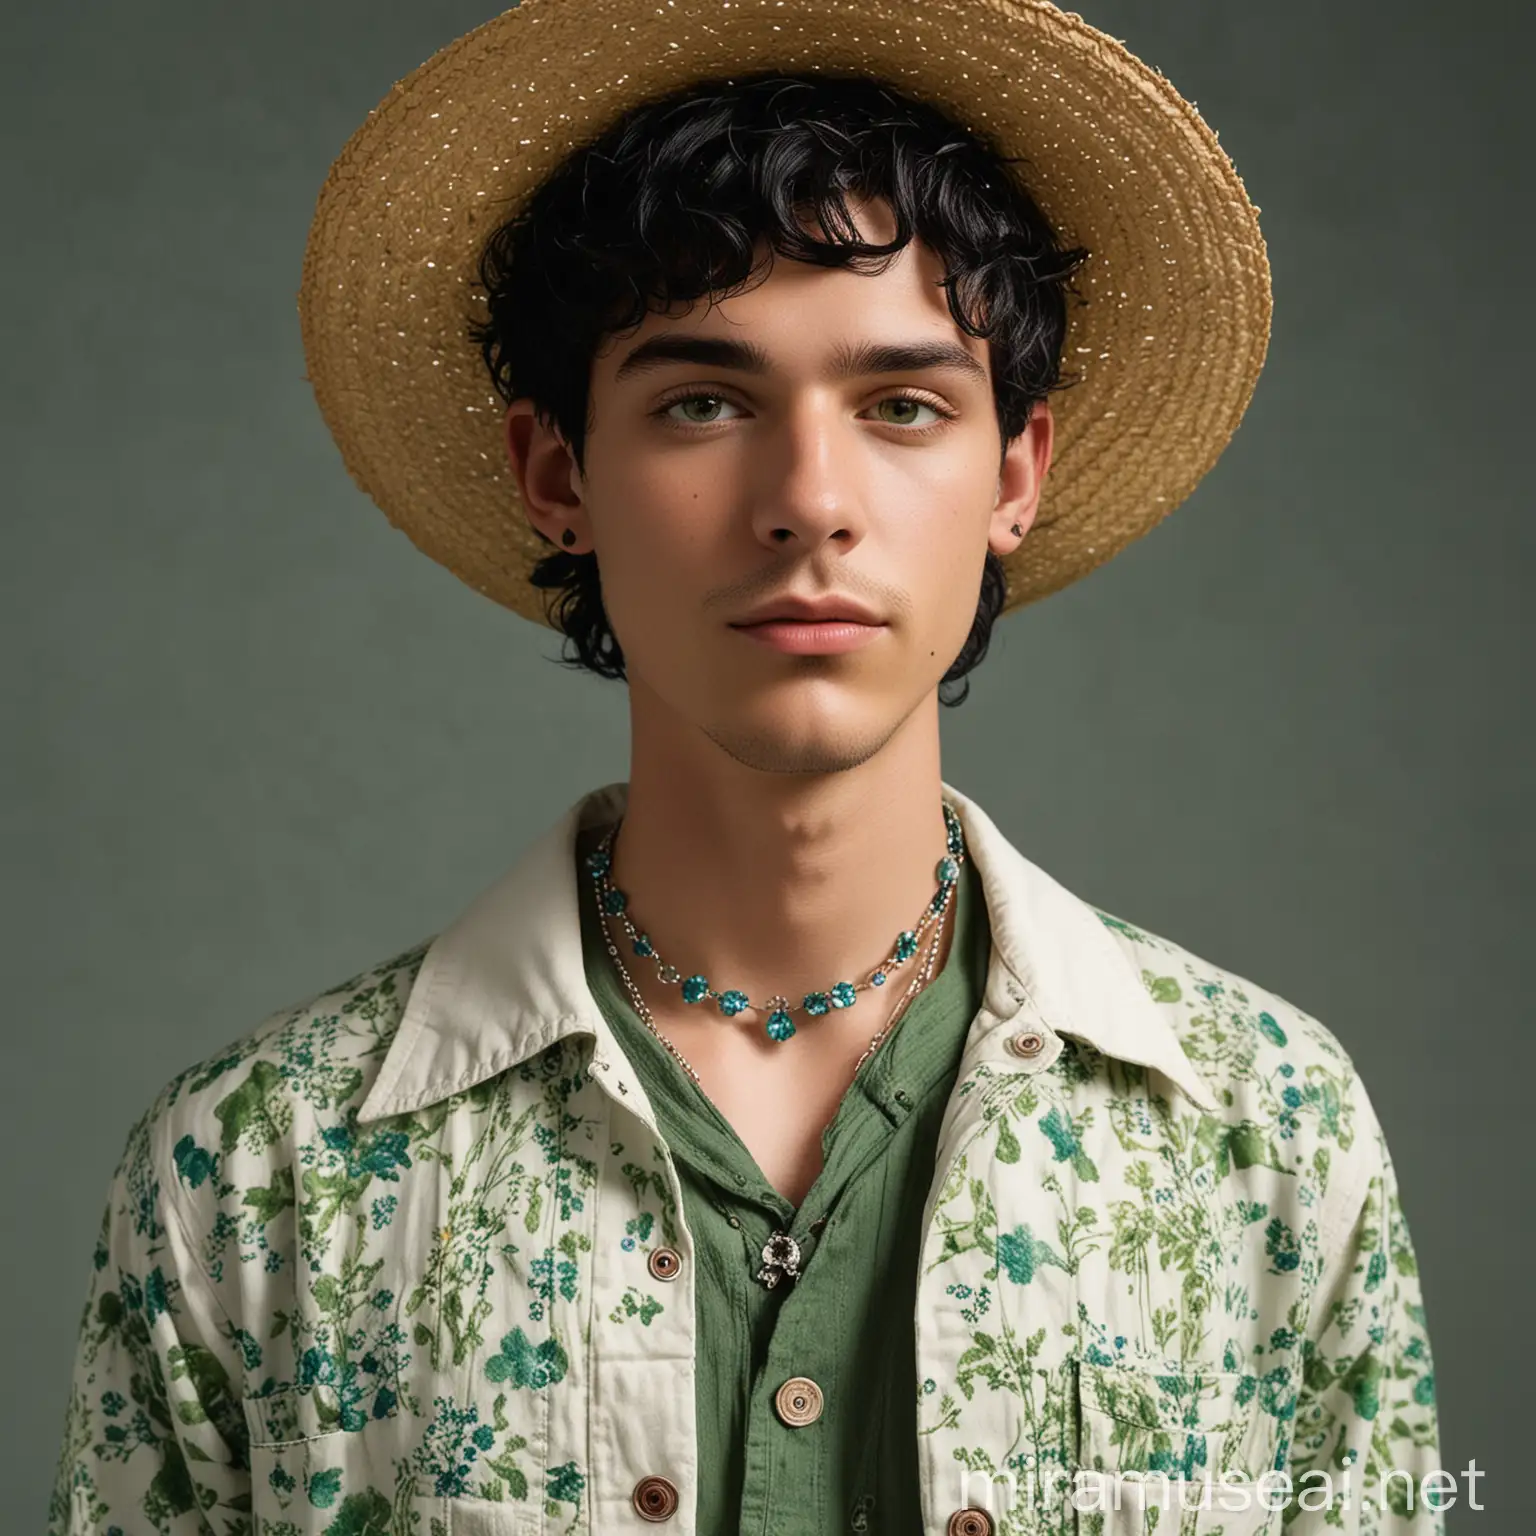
1167 349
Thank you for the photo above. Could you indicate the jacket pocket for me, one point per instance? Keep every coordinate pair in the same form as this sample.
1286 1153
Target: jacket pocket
1175 1449
475 1517
314 1473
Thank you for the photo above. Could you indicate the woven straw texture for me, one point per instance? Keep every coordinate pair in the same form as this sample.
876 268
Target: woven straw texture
1168 347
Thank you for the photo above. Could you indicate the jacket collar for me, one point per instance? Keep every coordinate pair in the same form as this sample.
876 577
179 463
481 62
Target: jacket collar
507 978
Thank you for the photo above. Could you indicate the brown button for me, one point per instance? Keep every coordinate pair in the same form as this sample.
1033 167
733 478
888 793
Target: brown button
655 1498
969 1522
665 1263
798 1401
1028 1042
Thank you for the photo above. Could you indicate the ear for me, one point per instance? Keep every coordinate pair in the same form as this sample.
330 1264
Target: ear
547 478
1023 475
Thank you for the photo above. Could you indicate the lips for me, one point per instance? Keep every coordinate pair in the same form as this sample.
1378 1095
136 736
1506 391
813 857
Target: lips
800 618
822 610
815 637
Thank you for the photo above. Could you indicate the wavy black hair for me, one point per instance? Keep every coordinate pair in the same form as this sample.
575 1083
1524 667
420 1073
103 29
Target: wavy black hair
669 205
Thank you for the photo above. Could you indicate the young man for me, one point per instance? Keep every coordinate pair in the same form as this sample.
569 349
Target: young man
775 1148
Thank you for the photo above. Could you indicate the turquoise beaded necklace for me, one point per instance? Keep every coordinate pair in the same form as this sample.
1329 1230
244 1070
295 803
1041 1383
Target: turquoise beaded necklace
780 1010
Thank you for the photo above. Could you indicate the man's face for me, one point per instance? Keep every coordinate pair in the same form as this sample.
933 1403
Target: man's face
755 467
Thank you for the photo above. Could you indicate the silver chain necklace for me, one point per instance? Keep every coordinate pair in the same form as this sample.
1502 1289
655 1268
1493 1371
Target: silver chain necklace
612 902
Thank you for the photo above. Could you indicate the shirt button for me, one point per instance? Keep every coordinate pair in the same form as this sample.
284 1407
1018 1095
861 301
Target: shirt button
665 1263
1028 1042
798 1401
654 1498
969 1522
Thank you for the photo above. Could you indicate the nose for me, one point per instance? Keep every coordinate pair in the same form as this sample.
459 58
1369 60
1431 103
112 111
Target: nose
807 488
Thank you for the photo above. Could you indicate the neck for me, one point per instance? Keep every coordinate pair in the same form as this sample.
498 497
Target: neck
779 882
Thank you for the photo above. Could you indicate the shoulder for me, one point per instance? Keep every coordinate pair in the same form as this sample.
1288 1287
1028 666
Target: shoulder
310 1062
1291 1094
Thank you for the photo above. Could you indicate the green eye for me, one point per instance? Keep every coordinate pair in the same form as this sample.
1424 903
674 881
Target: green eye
908 402
688 400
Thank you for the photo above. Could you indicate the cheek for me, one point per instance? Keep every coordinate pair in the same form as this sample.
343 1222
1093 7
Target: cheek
652 581
648 515
946 572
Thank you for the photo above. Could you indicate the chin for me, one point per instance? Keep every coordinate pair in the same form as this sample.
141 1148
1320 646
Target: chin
786 735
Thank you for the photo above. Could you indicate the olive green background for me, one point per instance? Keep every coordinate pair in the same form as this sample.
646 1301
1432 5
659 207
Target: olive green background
255 742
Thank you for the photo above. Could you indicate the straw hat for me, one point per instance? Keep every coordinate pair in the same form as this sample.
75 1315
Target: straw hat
1167 349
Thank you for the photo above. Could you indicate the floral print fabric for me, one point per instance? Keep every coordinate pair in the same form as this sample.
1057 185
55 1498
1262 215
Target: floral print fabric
381 1267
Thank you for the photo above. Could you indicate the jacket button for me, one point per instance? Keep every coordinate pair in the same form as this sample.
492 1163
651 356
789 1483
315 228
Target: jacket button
1028 1042
969 1522
654 1498
665 1263
798 1401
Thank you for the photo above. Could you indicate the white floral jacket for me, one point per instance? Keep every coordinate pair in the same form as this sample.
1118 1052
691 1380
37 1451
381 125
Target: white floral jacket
373 1270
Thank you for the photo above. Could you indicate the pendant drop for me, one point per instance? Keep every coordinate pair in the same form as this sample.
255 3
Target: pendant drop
780 1025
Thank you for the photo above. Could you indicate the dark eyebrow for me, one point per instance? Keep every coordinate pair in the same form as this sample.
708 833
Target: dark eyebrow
847 363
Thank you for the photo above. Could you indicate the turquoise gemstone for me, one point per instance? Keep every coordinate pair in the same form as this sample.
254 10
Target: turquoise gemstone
878 979
946 870
695 988
817 1003
780 1025
600 862
844 995
937 904
644 947
731 1003
615 902
906 945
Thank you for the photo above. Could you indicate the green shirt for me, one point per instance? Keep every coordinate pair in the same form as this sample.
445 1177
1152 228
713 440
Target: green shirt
848 1322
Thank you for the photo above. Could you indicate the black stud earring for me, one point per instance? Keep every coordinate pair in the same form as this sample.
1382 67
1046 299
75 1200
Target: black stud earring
569 537
1016 531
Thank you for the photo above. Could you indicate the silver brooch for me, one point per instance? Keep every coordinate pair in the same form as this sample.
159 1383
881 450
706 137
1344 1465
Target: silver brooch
781 1257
